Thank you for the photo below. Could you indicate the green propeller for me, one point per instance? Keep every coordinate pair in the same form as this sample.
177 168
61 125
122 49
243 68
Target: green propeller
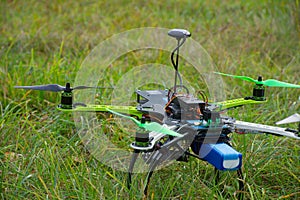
269 82
152 126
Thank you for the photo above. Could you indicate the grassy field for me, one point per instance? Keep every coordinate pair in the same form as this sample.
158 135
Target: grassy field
41 154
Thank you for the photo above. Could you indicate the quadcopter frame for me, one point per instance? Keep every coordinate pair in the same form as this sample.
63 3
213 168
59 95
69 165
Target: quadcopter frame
185 122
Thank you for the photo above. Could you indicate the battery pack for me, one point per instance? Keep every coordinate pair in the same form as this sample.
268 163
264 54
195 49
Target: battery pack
221 156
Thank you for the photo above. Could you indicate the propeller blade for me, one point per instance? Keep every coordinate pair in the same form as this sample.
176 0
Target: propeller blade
269 82
86 87
291 119
246 78
50 87
156 127
275 83
152 126
56 87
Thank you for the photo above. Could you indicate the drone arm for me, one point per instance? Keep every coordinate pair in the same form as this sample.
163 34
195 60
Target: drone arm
129 110
247 127
224 105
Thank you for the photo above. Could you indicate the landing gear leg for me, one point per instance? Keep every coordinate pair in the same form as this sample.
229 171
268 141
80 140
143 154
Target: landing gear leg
241 184
130 171
131 166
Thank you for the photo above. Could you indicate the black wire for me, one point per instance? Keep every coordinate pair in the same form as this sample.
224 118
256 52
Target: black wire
182 86
203 95
175 65
176 68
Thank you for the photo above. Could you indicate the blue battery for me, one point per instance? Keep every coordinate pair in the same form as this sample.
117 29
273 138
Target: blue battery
221 156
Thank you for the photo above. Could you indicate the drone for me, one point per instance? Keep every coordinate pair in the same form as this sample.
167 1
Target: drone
174 125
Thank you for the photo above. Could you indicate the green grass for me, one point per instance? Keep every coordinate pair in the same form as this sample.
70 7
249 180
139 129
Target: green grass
41 154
